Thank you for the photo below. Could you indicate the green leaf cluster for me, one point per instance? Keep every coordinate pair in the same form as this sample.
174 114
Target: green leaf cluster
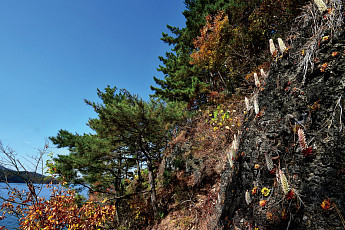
128 132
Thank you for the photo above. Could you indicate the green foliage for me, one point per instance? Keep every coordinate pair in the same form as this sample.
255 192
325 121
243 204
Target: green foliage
127 129
182 80
80 200
167 175
232 51
219 115
179 162
220 118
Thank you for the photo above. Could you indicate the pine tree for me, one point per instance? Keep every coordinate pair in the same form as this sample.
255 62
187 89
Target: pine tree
241 46
128 129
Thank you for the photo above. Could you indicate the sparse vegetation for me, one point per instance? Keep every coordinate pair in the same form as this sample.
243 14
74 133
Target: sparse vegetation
160 162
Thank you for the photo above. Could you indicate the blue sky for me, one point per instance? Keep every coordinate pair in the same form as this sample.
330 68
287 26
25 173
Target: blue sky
55 54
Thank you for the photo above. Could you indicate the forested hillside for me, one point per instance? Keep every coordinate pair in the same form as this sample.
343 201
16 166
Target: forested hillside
161 160
245 131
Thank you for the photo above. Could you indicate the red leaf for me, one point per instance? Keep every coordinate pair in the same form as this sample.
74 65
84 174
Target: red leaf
307 151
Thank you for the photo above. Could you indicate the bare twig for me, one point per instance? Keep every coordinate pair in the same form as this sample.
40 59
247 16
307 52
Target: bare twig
320 25
12 165
340 116
339 213
334 114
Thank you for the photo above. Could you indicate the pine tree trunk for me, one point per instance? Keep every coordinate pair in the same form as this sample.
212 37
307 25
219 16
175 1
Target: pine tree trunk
139 172
153 188
117 218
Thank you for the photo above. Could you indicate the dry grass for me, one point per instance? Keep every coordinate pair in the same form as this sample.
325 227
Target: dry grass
320 24
192 197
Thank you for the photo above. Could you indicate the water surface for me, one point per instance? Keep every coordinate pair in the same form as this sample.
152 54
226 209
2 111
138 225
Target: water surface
11 222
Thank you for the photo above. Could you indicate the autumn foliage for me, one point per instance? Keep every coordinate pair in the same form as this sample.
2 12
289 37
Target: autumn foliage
208 44
60 211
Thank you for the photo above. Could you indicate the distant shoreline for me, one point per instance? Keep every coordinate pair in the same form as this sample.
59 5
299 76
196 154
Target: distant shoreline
11 176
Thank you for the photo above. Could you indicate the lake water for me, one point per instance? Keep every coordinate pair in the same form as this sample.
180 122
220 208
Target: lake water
11 222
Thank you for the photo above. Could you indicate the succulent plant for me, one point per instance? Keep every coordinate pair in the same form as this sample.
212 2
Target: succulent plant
247 104
248 198
301 139
272 46
263 74
256 104
256 80
269 162
282 46
284 182
321 5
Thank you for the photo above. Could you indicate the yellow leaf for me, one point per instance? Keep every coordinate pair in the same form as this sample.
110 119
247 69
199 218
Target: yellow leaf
325 38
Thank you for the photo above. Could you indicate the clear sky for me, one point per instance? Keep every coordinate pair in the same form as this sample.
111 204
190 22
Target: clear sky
54 54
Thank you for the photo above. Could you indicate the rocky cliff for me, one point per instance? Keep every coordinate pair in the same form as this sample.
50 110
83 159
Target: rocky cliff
289 169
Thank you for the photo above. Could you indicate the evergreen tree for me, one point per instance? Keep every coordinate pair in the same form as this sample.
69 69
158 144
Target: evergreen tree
241 49
128 129
182 80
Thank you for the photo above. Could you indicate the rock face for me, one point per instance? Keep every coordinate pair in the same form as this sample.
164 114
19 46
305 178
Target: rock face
305 90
